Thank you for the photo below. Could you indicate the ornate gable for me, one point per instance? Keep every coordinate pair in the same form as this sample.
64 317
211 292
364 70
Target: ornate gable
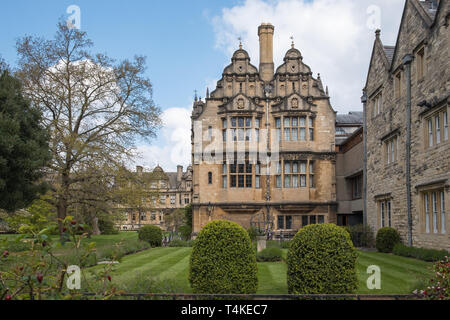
241 103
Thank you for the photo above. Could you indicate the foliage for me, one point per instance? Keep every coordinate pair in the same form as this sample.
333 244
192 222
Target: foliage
39 273
24 148
181 243
188 215
107 227
151 234
285 244
95 108
387 238
40 214
419 253
322 260
175 220
362 236
223 260
272 254
439 285
186 232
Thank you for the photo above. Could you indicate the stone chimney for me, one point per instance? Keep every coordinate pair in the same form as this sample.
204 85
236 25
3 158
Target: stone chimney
179 173
139 170
266 65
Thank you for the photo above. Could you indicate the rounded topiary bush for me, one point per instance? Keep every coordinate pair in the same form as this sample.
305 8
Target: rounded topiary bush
223 260
272 254
386 239
322 260
151 234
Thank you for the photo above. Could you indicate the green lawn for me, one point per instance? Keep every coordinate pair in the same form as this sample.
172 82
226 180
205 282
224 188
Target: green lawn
169 268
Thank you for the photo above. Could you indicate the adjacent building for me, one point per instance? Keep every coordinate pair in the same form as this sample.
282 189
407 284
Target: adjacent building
167 192
406 101
253 114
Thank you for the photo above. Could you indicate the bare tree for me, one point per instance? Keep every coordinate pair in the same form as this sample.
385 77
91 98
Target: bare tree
94 107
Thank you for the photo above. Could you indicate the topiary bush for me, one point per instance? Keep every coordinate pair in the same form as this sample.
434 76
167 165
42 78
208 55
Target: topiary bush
424 254
272 254
362 236
223 260
322 260
151 234
387 238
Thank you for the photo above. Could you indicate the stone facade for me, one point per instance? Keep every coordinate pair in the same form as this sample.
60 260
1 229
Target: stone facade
349 176
231 178
423 37
167 192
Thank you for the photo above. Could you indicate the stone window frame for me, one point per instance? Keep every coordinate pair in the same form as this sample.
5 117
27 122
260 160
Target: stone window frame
391 149
432 205
398 85
377 104
231 132
318 219
307 176
434 137
234 174
420 63
285 222
385 210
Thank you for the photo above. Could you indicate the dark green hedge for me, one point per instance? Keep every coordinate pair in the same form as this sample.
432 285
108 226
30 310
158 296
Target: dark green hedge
420 253
322 260
152 235
223 260
272 254
181 243
362 236
387 238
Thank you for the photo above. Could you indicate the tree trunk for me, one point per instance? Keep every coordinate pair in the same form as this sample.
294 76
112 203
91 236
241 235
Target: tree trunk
95 228
62 203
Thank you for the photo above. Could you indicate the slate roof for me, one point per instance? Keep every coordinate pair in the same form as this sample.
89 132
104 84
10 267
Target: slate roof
353 117
389 51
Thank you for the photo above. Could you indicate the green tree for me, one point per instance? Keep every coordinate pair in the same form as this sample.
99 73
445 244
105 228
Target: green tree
24 149
94 107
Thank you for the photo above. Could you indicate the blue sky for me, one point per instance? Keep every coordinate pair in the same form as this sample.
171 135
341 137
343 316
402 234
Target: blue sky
188 43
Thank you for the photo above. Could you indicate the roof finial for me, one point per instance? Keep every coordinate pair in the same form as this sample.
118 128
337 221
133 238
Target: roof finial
318 76
377 33
196 98
292 44
207 93
327 91
240 43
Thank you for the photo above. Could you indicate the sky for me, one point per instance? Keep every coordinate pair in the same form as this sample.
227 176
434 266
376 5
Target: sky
188 44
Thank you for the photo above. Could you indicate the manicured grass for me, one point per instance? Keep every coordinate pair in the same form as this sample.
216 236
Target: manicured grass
399 275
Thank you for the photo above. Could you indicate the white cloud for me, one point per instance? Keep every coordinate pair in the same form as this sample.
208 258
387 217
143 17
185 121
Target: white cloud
174 147
333 36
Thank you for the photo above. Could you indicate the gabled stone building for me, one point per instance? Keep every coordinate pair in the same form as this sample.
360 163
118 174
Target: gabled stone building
255 114
167 191
406 117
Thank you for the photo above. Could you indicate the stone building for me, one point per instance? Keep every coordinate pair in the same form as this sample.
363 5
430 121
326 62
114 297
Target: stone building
167 192
264 145
349 168
406 102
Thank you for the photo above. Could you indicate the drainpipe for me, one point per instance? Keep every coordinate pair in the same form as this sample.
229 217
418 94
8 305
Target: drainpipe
268 91
407 59
364 102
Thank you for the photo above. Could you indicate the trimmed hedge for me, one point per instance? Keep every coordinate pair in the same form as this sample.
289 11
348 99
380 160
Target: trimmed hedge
223 260
322 260
272 254
152 235
181 243
424 254
387 238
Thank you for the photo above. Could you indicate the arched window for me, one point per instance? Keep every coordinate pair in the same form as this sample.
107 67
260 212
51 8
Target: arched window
209 177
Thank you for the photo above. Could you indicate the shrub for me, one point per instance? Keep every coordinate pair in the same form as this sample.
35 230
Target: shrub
181 243
16 246
271 254
223 260
279 244
387 238
439 286
419 253
107 227
186 232
151 234
362 236
322 260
